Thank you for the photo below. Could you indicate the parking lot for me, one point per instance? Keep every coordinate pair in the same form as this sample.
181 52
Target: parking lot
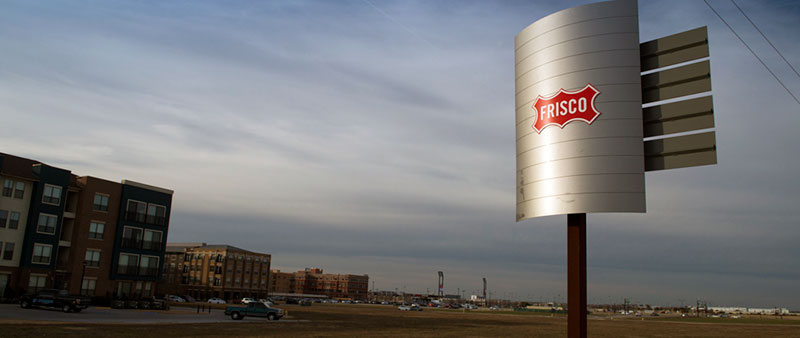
104 315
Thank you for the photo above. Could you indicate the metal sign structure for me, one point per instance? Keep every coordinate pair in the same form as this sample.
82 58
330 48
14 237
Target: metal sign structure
639 107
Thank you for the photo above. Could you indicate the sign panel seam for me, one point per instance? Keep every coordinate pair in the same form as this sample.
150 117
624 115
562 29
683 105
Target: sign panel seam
583 193
587 138
577 157
578 175
570 24
567 41
575 55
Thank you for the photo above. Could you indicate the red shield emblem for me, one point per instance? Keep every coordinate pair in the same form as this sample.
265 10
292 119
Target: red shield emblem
564 107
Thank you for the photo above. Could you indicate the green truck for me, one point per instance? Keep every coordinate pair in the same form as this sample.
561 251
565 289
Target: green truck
253 309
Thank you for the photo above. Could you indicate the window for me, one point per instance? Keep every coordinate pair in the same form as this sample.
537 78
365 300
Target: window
13 222
152 240
96 230
36 283
211 268
128 264
8 252
217 282
136 211
187 257
52 194
185 268
218 270
156 214
3 218
149 266
100 202
123 289
148 287
132 238
8 187
88 286
19 192
92 258
220 258
41 253
47 224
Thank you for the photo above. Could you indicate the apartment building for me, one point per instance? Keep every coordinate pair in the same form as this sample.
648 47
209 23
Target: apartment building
83 234
281 282
15 199
224 271
315 282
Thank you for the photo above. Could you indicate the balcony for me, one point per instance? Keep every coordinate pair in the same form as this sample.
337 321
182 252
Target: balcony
144 218
130 270
131 243
135 243
151 245
148 272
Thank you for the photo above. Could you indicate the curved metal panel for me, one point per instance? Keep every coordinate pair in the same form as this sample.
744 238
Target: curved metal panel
585 166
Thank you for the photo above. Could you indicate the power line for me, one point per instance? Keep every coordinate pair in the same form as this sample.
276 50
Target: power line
765 38
751 51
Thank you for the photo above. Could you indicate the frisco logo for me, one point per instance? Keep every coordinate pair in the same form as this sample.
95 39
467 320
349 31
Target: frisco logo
564 107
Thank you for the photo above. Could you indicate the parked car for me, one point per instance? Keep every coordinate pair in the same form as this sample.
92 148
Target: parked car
174 298
413 307
216 300
248 300
52 298
188 299
494 307
253 309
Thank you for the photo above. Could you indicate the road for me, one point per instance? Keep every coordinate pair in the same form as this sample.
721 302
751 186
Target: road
104 315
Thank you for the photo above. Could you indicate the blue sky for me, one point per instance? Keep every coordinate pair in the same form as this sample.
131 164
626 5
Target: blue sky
377 137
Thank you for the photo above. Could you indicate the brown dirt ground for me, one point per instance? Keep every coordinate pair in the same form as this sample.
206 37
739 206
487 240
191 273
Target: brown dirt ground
383 321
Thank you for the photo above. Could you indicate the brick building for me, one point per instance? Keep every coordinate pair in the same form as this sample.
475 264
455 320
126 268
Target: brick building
281 282
204 271
314 282
83 234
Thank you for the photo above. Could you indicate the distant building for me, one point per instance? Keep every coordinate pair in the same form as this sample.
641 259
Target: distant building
204 271
281 282
341 286
84 234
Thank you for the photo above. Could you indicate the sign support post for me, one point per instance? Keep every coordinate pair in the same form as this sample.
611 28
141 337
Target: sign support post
576 276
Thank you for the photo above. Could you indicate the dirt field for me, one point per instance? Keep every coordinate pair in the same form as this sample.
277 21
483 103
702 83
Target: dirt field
384 321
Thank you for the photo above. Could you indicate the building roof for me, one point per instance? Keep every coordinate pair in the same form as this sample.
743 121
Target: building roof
179 247
18 166
148 187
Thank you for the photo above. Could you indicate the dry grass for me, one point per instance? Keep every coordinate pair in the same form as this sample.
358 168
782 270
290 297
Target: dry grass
384 321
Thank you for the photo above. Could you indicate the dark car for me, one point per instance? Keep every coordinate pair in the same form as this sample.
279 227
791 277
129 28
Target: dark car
53 298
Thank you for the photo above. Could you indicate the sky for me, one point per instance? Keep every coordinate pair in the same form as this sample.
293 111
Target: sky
377 137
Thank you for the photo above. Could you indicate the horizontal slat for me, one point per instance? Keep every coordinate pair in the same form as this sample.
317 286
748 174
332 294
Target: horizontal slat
674 76
681 152
685 80
681 160
679 117
675 57
679 126
674 42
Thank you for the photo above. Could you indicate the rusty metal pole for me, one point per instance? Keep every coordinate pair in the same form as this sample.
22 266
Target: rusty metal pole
576 275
